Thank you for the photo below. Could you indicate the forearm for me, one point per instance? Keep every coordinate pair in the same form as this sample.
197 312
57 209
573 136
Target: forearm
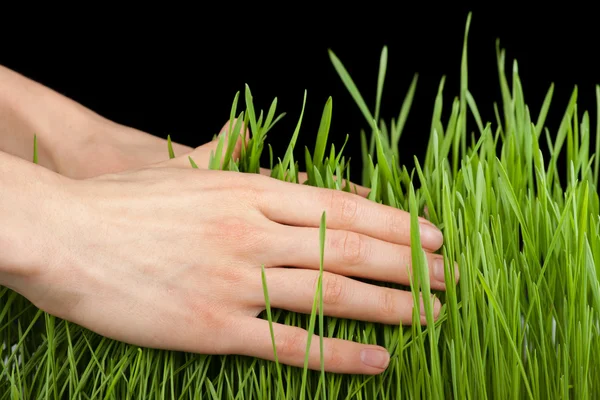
72 139
28 108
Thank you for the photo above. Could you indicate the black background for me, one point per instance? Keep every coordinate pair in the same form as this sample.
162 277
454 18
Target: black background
177 73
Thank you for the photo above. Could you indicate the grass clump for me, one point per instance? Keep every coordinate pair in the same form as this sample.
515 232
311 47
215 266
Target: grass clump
519 211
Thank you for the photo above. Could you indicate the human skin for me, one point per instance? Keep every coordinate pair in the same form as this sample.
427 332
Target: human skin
152 252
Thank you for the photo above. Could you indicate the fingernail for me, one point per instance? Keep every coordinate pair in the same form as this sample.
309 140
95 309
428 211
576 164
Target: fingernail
438 270
456 272
436 307
431 236
375 358
425 221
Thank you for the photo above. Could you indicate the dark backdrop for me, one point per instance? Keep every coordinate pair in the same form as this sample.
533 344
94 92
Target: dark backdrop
178 74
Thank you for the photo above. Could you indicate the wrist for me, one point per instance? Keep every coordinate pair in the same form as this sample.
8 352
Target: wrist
30 211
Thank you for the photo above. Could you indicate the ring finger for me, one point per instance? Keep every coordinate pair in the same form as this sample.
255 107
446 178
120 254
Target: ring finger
352 254
294 290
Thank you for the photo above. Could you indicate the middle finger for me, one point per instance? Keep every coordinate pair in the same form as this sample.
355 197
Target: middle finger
352 254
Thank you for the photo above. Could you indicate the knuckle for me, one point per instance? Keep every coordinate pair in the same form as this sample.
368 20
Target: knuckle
354 248
233 277
291 345
396 225
250 194
202 315
387 305
246 188
238 233
231 229
258 190
333 289
243 193
344 205
334 357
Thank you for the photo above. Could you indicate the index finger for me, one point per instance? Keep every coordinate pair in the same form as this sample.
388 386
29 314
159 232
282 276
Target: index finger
303 176
301 205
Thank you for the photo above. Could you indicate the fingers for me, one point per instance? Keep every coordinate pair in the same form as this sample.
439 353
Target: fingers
301 205
253 338
201 154
353 254
303 177
227 130
294 290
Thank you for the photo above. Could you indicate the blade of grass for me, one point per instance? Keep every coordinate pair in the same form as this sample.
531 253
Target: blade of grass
351 87
35 149
270 319
170 147
381 81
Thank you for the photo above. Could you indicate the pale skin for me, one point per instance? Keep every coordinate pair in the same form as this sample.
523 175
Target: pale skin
108 233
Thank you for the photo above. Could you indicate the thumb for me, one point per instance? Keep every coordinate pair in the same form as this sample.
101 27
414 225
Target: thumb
231 128
200 156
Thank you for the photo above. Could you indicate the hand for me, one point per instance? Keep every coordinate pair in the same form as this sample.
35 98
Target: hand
117 148
72 139
76 142
110 147
170 257
201 157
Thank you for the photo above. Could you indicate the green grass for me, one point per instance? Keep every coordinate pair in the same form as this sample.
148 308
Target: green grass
523 321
